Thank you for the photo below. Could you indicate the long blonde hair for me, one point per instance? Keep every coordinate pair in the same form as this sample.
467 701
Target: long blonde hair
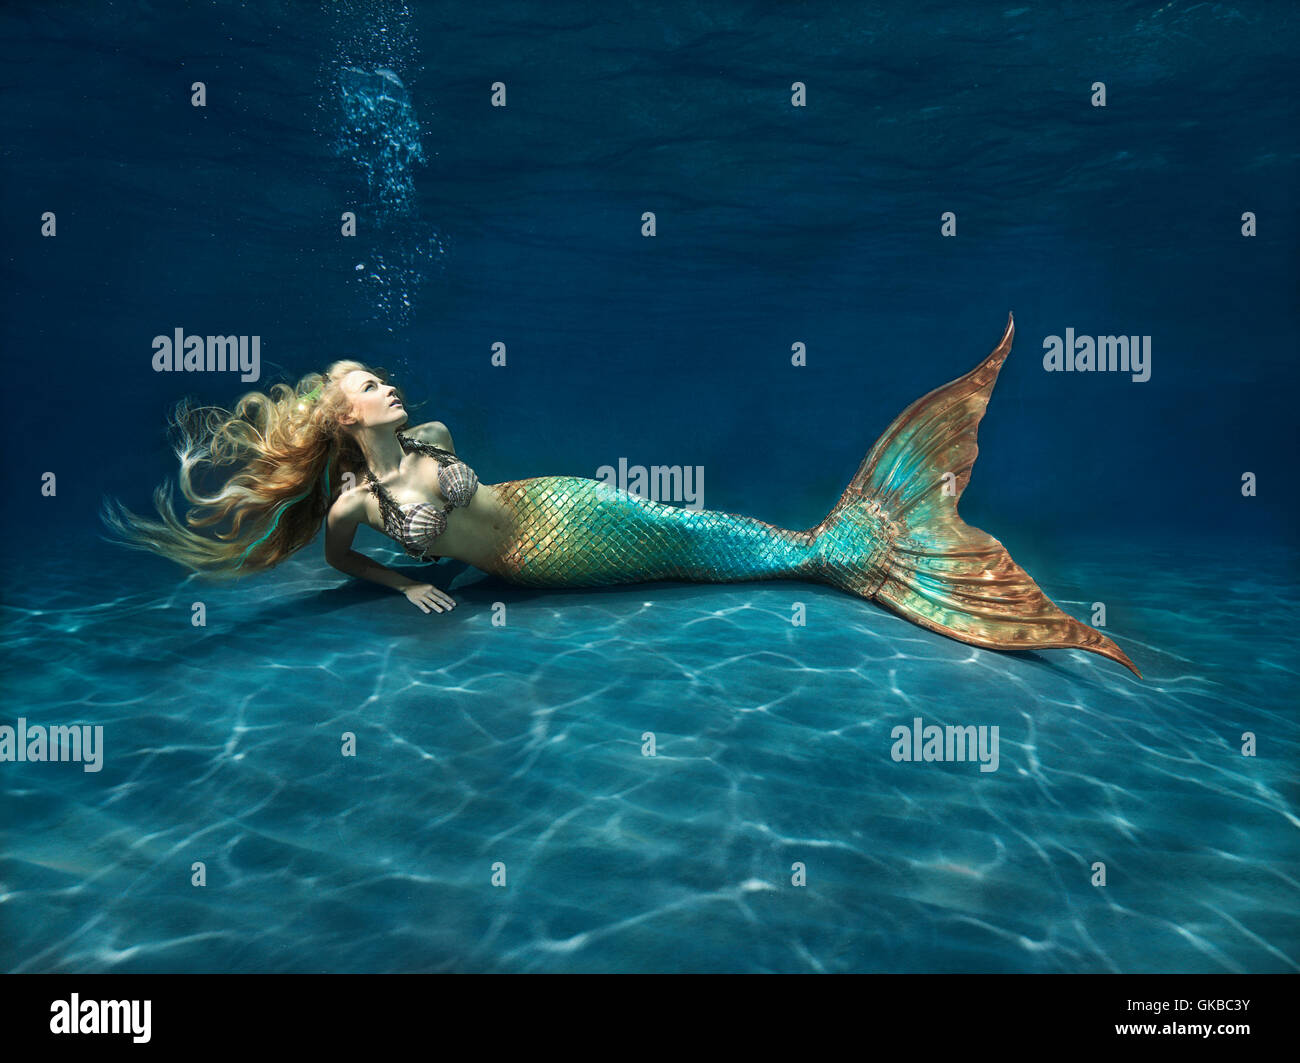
291 452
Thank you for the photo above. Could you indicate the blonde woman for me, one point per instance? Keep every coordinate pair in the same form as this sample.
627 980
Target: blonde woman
332 451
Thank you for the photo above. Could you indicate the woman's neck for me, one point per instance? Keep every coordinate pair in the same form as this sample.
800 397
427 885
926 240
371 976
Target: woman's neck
381 450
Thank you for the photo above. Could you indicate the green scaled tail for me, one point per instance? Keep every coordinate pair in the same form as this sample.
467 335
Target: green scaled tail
938 571
575 532
894 537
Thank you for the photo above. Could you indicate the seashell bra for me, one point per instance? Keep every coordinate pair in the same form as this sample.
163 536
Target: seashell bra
415 525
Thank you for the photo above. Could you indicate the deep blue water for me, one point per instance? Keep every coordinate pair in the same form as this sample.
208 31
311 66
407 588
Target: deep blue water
775 224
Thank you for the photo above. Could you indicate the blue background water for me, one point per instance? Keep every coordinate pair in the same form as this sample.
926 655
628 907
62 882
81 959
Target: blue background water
776 225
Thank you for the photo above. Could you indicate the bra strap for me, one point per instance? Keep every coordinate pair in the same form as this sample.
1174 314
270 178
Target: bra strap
387 506
443 457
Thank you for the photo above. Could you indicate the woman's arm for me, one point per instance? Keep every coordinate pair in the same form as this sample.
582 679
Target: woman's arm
341 528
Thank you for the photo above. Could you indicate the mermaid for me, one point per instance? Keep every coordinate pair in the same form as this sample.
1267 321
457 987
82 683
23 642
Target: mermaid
331 451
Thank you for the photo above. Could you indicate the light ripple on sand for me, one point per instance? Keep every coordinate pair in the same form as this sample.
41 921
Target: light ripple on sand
523 744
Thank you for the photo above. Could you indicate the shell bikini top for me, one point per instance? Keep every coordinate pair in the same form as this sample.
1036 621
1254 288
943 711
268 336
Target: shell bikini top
415 525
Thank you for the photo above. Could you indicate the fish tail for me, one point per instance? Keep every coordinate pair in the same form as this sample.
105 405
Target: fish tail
569 531
895 537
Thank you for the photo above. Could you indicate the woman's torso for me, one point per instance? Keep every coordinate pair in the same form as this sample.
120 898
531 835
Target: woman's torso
472 531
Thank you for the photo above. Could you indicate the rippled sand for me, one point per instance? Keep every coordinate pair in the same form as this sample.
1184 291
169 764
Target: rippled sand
523 744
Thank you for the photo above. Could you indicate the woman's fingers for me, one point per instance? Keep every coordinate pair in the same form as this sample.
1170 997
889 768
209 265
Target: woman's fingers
434 599
429 598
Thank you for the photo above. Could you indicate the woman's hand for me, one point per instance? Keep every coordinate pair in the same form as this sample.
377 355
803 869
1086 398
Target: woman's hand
429 598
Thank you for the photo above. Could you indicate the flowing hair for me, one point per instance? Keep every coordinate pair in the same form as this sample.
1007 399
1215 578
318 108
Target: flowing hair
291 454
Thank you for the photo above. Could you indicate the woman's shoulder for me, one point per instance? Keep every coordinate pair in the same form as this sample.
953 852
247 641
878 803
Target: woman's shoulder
433 432
351 502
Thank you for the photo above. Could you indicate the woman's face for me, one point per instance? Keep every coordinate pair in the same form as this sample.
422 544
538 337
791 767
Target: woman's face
374 403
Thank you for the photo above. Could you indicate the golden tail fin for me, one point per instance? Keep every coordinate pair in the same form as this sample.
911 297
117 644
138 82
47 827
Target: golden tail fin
938 571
